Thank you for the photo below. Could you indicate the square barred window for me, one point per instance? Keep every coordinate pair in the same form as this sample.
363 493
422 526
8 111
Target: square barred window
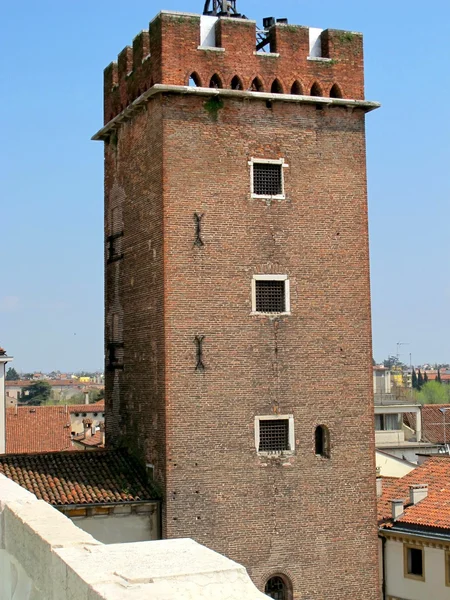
274 434
270 294
267 179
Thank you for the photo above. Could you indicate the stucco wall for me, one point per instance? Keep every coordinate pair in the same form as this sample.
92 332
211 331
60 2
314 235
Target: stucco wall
116 529
76 422
399 586
44 556
392 466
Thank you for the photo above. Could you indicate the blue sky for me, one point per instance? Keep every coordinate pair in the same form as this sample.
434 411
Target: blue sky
53 55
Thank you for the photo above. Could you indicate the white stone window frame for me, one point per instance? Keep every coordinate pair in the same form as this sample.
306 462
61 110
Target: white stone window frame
291 434
268 161
287 294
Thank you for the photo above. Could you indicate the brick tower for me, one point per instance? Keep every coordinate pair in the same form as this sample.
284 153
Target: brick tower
238 336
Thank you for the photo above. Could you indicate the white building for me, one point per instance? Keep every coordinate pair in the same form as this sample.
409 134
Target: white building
414 519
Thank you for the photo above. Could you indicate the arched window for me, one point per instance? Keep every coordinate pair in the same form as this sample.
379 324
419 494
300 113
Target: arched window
277 588
296 88
236 83
335 91
257 85
215 82
194 80
276 88
315 89
322 441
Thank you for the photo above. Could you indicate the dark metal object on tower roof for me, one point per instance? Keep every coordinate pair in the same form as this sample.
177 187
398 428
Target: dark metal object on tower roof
263 35
221 8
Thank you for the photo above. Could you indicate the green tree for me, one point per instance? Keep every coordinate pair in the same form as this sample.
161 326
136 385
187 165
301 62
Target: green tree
425 377
438 376
434 392
12 374
414 379
96 395
393 361
37 393
419 380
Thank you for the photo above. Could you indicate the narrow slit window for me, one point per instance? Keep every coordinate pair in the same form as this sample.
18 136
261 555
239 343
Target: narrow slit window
267 179
273 435
322 441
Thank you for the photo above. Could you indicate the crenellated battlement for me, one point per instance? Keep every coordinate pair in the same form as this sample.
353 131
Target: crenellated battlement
185 49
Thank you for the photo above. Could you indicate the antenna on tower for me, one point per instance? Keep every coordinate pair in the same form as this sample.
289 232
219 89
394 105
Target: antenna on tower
221 8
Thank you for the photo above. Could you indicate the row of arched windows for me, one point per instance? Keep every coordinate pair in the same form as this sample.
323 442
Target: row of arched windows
275 88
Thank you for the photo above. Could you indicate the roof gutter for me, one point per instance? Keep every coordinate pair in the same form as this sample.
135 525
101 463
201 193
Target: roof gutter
395 530
105 504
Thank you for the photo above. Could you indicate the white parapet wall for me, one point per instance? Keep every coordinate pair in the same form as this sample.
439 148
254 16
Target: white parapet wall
44 556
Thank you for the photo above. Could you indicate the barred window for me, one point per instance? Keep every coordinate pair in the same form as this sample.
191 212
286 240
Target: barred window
270 294
267 179
273 435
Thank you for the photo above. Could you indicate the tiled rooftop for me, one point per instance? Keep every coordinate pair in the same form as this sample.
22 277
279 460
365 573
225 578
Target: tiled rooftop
68 478
87 408
432 511
37 429
433 423
94 441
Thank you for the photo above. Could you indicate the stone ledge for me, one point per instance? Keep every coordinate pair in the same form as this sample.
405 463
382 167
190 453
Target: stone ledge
44 556
158 88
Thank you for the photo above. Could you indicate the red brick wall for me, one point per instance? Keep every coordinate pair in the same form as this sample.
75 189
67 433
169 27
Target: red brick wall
168 53
311 518
134 288
308 517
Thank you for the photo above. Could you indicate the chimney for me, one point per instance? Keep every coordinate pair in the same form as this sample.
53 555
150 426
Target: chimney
86 396
397 508
102 429
87 425
418 492
3 360
379 487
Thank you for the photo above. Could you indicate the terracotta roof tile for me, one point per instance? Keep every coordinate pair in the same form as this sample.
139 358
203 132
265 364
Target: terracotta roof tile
433 423
432 511
95 440
87 408
61 478
37 429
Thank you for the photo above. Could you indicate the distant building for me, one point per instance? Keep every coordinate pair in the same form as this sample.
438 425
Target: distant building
31 429
4 359
62 389
398 425
79 412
